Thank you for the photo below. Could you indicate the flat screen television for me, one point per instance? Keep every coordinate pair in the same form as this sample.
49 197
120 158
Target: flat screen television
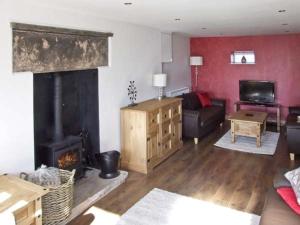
255 91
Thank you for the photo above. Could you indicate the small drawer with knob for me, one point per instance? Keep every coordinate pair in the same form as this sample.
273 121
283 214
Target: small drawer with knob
166 113
176 110
166 129
166 146
153 118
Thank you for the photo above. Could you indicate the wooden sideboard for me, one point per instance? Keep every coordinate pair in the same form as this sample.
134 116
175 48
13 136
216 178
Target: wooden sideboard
150 132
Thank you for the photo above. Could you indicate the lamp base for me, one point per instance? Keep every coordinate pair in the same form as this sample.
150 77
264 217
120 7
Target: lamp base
161 97
160 93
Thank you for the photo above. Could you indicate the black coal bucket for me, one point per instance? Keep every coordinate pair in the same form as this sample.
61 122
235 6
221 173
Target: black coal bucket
109 162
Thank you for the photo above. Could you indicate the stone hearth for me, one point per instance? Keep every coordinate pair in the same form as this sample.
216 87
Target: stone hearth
91 189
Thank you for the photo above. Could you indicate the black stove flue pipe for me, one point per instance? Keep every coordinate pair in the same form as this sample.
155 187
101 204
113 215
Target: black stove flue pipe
58 134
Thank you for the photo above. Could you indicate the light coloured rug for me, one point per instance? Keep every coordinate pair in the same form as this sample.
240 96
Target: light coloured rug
248 144
160 207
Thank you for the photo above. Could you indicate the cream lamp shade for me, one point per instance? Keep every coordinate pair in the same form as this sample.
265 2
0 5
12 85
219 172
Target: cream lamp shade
159 80
196 60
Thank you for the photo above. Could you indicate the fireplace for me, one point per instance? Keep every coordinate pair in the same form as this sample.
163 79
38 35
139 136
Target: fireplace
66 119
66 113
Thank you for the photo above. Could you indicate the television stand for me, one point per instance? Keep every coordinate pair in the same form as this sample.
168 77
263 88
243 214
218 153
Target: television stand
265 106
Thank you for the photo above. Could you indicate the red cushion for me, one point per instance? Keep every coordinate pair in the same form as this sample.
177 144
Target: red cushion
204 99
288 195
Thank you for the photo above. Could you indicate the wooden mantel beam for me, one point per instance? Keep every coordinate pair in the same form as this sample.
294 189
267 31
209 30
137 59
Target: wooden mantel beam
42 49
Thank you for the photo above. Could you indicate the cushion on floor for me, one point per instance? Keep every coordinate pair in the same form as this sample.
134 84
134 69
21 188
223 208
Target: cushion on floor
288 195
294 177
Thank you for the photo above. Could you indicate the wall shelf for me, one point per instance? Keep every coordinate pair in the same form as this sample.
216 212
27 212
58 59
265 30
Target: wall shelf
242 58
236 63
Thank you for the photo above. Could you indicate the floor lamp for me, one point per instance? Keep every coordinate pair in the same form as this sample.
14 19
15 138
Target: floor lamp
196 61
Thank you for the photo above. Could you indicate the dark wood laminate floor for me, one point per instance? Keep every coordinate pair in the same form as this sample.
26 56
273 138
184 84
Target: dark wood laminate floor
229 178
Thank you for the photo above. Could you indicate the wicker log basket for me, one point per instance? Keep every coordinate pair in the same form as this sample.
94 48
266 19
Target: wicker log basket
57 204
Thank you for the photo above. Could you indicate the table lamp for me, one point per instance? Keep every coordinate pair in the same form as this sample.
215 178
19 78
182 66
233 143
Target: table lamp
160 81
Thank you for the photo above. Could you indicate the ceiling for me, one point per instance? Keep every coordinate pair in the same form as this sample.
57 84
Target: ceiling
200 17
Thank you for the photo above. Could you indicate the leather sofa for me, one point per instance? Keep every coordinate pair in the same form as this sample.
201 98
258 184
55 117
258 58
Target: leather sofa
276 211
198 121
293 131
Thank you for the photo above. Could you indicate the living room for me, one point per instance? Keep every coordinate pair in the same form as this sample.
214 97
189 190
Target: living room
208 48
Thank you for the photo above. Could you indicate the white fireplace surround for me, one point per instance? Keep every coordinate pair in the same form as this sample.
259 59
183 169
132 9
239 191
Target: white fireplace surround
135 53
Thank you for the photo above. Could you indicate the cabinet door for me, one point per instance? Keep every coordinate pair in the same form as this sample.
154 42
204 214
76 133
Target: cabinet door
166 147
152 147
153 119
176 110
176 132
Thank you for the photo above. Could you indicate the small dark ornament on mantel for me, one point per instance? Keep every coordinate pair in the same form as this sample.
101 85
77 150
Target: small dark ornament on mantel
244 60
132 93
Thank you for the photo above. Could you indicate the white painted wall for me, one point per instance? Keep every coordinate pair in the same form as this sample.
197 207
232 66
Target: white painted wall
179 69
135 55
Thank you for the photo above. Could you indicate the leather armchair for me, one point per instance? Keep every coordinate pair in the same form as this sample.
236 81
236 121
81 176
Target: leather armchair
198 121
293 131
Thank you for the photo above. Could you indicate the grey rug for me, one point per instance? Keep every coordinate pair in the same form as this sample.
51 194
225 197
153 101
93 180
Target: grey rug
160 207
248 144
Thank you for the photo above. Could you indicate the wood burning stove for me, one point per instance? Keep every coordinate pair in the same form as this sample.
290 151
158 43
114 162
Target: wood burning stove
62 152
66 119
65 154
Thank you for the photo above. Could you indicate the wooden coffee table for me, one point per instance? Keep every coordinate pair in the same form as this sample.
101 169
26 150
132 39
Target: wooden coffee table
248 123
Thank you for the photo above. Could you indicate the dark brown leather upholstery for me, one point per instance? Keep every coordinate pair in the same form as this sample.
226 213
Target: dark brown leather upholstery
294 110
199 121
191 102
276 212
293 130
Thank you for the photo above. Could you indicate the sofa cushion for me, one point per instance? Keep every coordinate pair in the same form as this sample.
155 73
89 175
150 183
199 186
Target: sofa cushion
288 195
204 99
276 212
191 101
210 115
294 177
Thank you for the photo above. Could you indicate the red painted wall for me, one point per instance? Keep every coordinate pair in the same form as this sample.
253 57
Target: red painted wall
277 59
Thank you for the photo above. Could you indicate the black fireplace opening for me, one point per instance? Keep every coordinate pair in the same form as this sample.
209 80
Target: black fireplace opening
66 119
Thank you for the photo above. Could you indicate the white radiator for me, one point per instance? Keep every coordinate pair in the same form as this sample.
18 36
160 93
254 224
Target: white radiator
177 92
